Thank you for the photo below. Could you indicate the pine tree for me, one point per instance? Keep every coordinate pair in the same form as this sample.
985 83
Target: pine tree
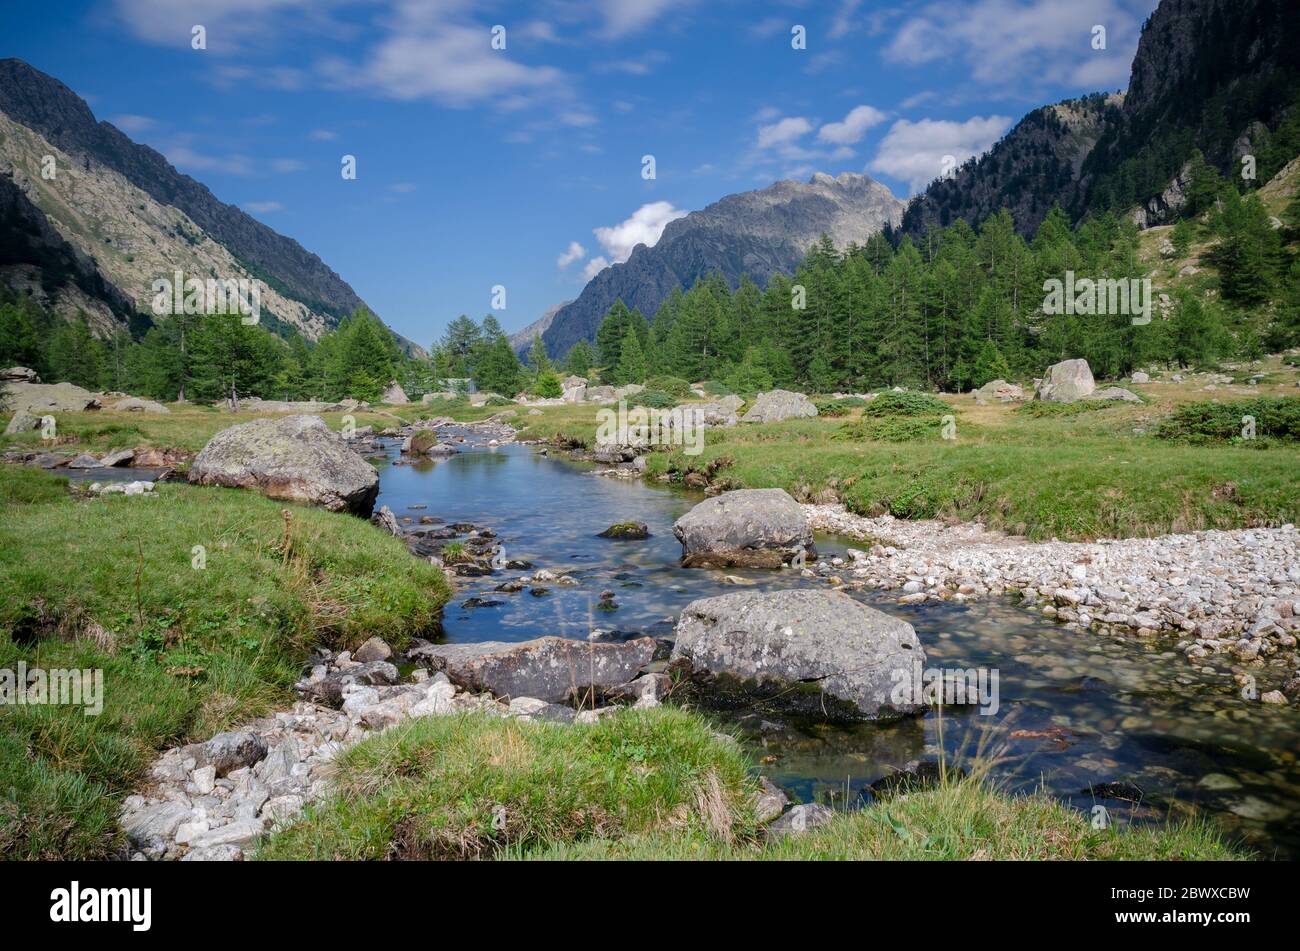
631 361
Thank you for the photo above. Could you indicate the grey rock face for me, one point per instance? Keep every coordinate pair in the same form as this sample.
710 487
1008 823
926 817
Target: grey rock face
800 819
815 652
776 405
19 375
1140 377
550 669
295 458
394 394
330 689
1066 382
134 404
761 527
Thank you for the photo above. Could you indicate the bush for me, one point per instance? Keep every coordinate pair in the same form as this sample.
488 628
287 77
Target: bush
672 385
892 403
548 385
891 429
839 407
654 399
749 378
495 400
1276 418
1037 409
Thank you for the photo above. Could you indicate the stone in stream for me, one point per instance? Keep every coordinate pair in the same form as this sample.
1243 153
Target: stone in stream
815 653
776 405
296 458
800 819
760 528
1066 382
626 530
372 650
552 669
329 688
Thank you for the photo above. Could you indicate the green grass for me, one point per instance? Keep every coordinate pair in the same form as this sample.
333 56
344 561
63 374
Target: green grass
474 786
189 651
657 784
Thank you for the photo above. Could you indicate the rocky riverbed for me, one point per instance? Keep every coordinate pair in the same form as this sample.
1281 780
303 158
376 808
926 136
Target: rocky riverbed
1229 593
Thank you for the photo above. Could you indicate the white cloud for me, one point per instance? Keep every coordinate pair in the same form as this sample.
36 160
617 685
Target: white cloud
287 165
624 17
842 23
594 267
915 151
323 135
262 207
577 117
574 252
1011 42
132 123
783 131
182 156
853 128
450 64
402 188
645 226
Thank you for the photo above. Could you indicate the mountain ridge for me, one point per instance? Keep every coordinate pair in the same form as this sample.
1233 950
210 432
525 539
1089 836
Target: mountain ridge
760 233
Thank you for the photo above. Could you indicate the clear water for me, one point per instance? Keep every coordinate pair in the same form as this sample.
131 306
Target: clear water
1076 709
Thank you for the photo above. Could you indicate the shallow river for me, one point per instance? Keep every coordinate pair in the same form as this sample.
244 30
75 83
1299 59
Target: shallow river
1076 710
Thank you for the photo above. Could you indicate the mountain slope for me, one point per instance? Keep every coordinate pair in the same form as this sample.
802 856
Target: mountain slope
759 233
1213 75
521 340
133 218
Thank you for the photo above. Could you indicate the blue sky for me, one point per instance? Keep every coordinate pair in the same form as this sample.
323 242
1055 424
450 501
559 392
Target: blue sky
522 166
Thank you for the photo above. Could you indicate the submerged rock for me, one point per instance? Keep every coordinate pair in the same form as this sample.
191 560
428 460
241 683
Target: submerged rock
746 527
628 530
295 458
818 653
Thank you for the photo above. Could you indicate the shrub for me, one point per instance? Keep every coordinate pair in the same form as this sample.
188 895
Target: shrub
892 403
672 385
1276 418
840 407
890 429
749 378
654 399
548 385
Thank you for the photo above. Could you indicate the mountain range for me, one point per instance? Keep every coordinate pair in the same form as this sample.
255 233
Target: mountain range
89 219
1218 76
759 233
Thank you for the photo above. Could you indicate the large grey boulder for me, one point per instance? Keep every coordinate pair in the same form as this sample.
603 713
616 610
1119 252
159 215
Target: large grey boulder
22 422
746 527
819 653
293 457
41 398
394 394
227 752
1066 382
600 394
776 405
135 404
19 375
553 669
999 391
